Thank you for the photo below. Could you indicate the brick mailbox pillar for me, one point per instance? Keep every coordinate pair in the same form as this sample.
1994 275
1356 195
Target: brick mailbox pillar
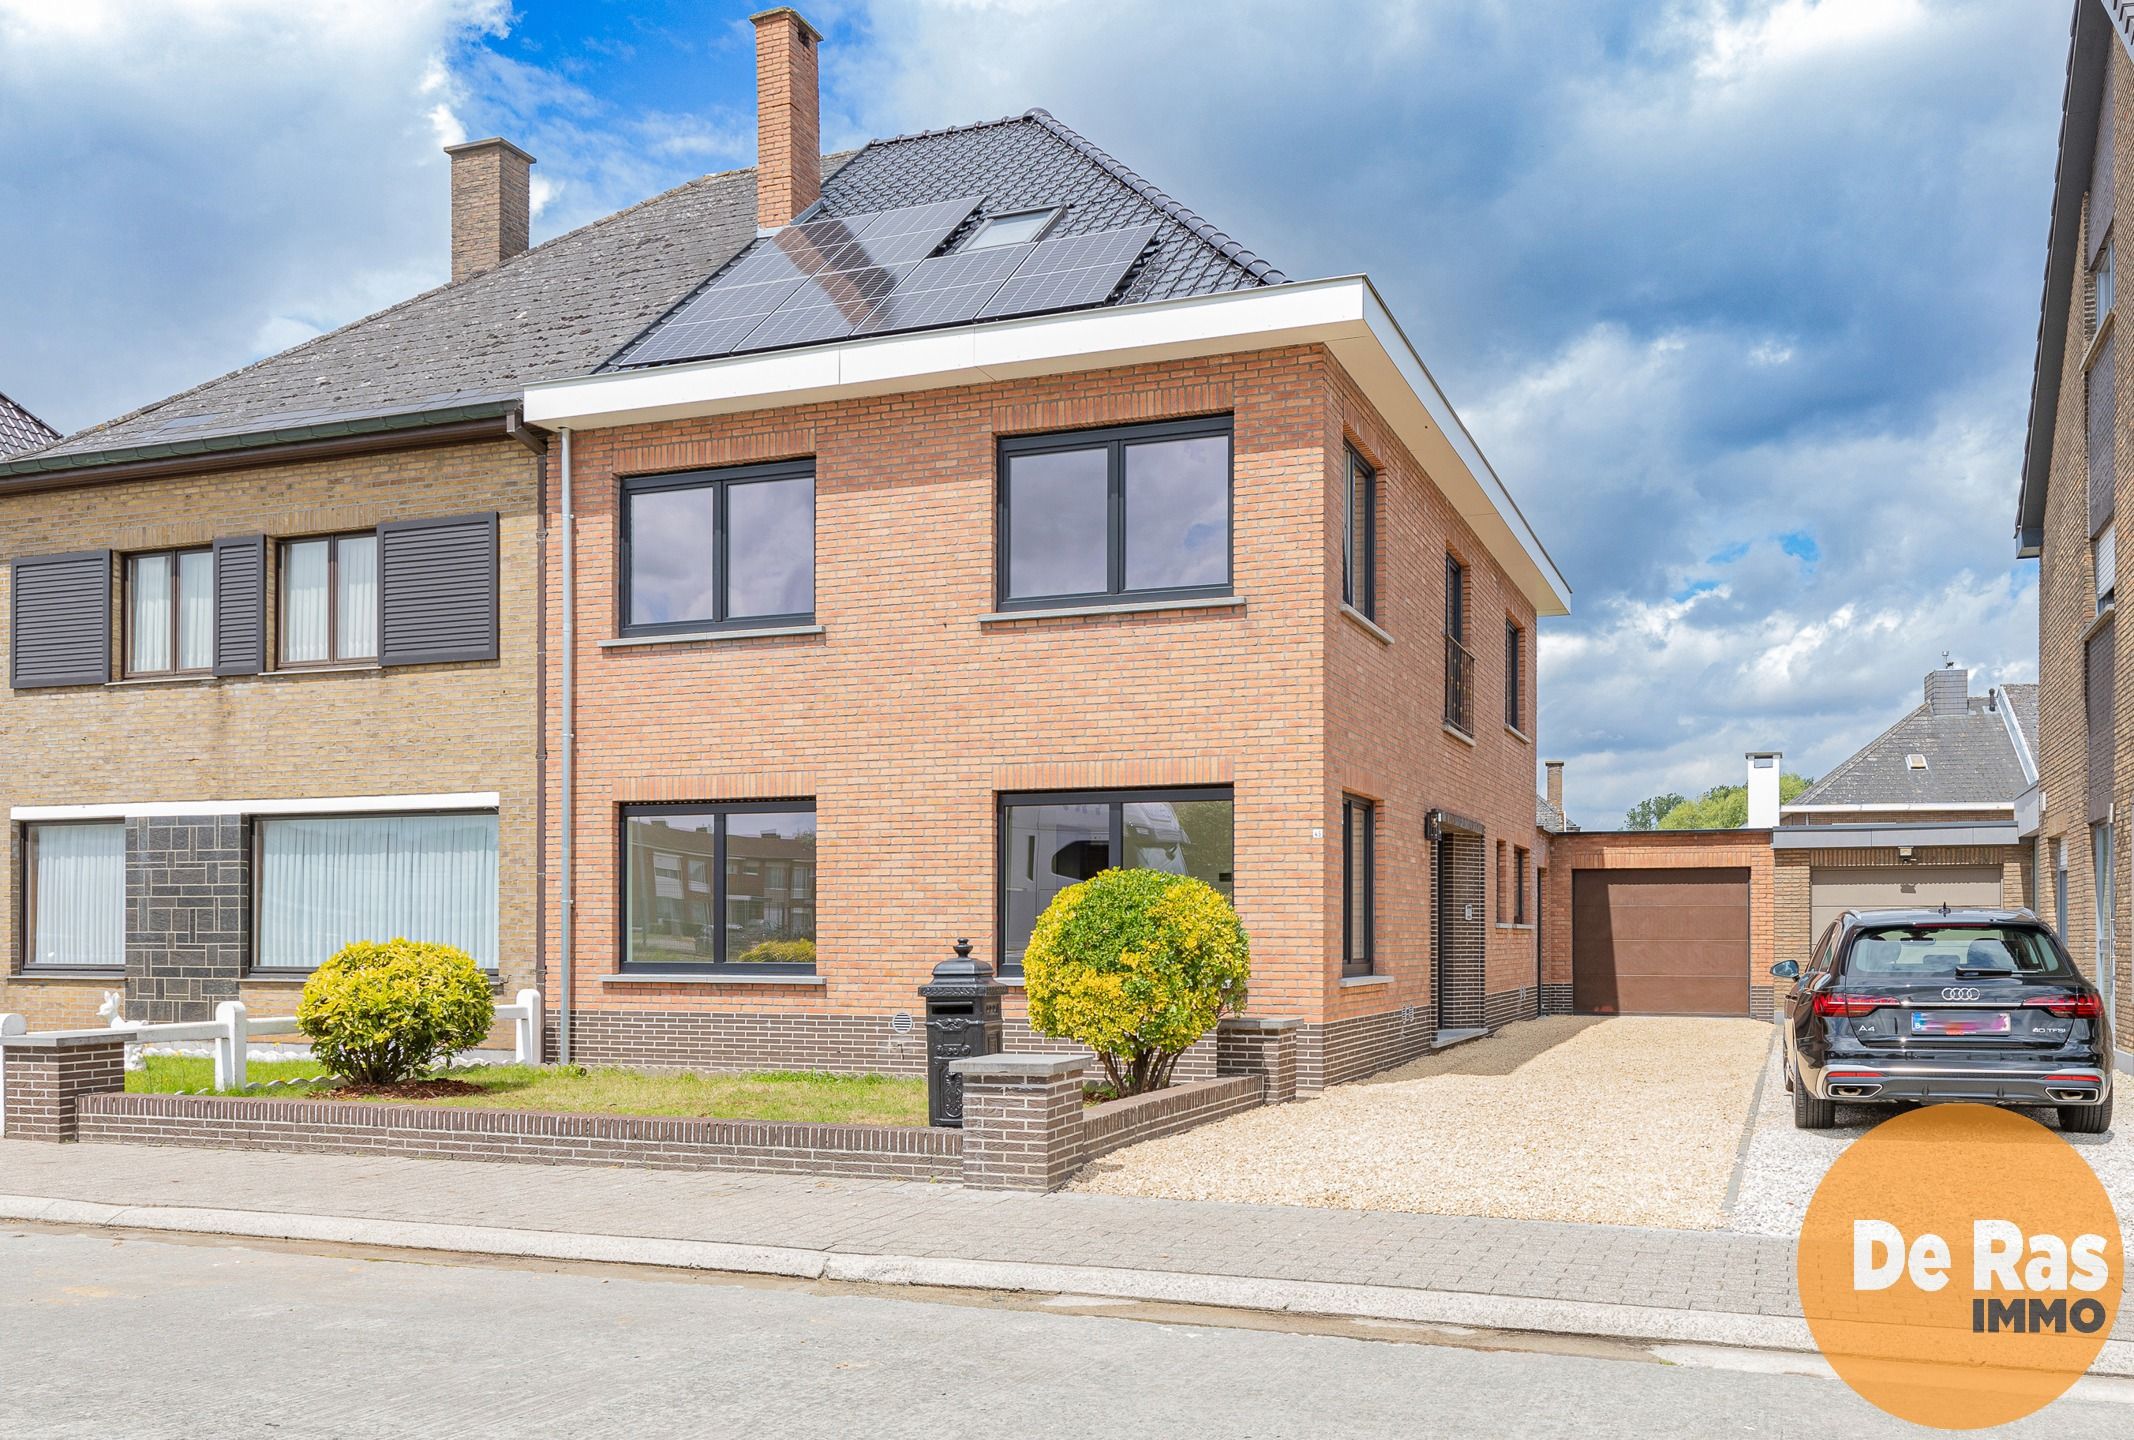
1266 1047
1022 1120
46 1074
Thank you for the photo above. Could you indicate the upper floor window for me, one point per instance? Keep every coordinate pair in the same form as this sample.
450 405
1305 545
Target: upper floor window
2104 564
170 613
1115 514
1514 676
731 547
1459 663
329 610
1359 538
2104 287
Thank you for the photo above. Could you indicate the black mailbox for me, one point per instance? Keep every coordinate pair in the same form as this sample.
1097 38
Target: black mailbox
962 1020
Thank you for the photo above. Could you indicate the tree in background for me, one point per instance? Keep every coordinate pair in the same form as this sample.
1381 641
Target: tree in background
1726 807
1646 814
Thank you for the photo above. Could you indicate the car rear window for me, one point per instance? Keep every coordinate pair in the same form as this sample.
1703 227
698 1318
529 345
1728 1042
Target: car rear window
1900 953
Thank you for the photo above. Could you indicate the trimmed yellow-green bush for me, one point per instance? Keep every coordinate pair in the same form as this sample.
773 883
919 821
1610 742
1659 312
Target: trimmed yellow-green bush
382 1012
778 952
1137 965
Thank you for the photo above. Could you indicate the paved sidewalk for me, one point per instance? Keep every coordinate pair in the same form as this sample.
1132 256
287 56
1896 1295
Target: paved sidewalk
1514 1274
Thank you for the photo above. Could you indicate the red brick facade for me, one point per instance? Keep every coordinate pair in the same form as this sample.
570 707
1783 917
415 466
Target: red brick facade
912 710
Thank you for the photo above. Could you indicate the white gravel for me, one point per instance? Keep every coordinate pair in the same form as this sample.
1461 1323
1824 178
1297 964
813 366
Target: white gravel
1629 1121
1783 1165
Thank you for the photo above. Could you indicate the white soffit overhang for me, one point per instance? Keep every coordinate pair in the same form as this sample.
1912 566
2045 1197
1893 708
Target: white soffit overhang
1344 314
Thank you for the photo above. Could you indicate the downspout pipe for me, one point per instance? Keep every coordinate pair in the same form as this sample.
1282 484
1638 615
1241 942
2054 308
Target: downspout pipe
566 810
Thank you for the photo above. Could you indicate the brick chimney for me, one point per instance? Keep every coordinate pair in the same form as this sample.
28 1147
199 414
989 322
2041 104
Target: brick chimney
788 117
1555 769
490 204
1948 691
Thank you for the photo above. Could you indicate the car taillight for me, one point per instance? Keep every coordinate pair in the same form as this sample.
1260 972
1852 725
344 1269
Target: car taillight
1829 1003
2069 1007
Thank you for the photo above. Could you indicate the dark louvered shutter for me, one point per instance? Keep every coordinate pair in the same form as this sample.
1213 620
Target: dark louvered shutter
437 583
241 605
2097 696
2103 406
61 627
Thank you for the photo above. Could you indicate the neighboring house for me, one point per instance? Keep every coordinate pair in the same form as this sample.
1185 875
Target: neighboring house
1924 815
883 545
2076 467
20 430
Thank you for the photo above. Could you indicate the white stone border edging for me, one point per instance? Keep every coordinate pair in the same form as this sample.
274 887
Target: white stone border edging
1304 1297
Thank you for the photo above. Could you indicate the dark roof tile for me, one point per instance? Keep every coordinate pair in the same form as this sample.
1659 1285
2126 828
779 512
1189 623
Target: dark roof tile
20 430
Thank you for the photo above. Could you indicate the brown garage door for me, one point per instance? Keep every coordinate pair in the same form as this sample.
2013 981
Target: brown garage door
1660 942
1881 887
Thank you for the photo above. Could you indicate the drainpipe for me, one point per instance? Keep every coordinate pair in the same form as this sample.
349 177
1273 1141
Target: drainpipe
567 910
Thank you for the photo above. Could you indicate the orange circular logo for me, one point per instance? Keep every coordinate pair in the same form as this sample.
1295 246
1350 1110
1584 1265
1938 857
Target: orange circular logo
1960 1266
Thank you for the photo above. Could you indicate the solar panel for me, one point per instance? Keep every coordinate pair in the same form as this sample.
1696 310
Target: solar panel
940 217
945 290
1072 271
805 325
711 322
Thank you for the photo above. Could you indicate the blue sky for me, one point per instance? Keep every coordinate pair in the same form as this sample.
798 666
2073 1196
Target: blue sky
1739 295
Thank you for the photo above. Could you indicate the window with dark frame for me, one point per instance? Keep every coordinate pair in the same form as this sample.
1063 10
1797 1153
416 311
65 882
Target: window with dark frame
170 612
719 888
1359 885
719 549
73 899
329 600
1514 676
1459 662
1520 860
1051 840
1359 538
1104 516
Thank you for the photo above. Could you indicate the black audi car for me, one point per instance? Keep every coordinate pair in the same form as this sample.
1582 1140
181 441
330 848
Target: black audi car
1912 1006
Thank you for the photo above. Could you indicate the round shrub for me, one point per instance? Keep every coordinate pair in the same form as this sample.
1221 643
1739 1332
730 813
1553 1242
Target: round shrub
1137 965
382 1012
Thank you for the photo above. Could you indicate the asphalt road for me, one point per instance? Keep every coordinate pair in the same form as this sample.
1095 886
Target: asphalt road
105 1334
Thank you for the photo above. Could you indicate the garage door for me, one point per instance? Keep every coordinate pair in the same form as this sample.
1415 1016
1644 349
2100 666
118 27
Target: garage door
1660 942
1882 887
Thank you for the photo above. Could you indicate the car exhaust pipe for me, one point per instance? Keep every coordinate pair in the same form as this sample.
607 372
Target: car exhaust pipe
1853 1091
2068 1096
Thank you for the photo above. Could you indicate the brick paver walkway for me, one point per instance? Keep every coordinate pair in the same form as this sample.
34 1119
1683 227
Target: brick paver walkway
1717 1273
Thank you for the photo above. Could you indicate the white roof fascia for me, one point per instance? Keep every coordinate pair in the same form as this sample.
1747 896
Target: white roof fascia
1344 314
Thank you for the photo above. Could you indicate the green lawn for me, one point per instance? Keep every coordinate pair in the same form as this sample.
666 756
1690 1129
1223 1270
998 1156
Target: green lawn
771 1095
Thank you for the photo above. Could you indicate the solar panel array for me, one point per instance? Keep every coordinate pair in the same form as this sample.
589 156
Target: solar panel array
875 274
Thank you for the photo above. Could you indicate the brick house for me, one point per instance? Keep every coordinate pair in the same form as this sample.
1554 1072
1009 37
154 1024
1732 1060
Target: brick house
2073 475
1924 814
1043 527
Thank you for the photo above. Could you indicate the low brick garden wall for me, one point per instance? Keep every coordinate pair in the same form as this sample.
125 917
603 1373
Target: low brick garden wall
1026 1124
229 1122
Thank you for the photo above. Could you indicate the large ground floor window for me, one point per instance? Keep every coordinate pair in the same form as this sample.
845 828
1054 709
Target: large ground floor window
324 881
712 887
74 896
1051 841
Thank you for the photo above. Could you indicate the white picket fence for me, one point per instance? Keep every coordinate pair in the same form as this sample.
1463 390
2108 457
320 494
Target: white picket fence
231 1030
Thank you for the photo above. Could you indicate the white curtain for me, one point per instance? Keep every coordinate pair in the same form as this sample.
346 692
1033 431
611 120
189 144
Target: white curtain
358 620
304 637
78 895
149 643
196 610
325 882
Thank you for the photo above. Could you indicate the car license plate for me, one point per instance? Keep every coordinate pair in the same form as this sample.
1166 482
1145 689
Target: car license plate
1930 1022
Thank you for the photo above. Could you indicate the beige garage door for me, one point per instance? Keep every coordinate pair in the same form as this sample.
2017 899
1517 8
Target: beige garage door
1884 886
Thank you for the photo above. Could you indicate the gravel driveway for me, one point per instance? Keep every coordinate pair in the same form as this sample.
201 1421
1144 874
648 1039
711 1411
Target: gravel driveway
1628 1121
1782 1166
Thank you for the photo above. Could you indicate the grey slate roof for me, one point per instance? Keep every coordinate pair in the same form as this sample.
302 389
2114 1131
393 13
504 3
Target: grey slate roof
2023 702
565 307
557 310
1970 760
1548 817
20 430
1029 161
